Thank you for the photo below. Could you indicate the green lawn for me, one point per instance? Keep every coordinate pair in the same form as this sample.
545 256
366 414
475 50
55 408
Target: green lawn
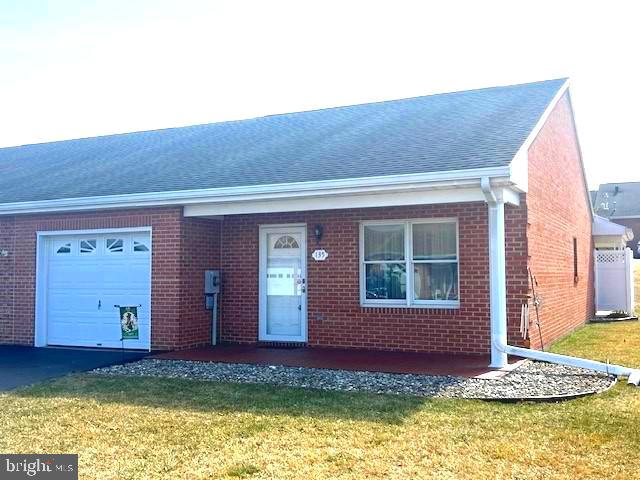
153 429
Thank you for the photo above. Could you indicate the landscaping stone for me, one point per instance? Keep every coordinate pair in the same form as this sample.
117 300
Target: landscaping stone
531 380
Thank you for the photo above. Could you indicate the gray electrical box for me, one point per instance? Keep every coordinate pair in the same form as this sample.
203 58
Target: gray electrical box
211 281
211 287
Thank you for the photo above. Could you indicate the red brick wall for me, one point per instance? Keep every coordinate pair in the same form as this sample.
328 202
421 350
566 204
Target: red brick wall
7 280
176 296
559 210
516 268
335 317
200 245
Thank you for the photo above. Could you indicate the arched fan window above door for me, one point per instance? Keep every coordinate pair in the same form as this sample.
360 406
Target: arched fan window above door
286 241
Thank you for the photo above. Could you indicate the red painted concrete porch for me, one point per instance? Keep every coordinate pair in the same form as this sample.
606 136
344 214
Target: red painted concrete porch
364 360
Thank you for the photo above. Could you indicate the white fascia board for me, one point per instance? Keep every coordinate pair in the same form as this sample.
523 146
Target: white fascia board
325 188
92 231
508 195
520 171
335 202
519 167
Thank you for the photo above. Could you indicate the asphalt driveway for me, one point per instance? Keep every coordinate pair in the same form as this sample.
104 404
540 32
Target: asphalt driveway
20 366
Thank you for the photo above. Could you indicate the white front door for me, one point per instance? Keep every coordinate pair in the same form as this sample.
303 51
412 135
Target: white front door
283 289
86 275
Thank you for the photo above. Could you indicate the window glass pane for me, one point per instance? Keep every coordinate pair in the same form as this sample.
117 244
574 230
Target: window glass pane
286 241
65 248
386 281
434 241
383 242
87 246
115 245
139 247
435 281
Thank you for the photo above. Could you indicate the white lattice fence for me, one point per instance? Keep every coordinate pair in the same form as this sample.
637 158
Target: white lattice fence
614 280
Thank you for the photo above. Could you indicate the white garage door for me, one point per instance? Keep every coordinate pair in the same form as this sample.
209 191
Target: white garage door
87 275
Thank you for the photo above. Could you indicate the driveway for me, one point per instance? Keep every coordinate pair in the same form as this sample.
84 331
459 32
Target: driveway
20 366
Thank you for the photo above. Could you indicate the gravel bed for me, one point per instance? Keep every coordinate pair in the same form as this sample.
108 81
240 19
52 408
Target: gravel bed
530 380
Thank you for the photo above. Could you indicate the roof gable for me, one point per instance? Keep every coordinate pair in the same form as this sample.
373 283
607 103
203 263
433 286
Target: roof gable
445 132
616 200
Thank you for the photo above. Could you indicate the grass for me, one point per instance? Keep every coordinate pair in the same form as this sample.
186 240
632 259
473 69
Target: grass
127 428
618 342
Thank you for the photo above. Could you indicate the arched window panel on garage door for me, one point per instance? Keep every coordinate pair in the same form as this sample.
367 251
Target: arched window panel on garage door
114 245
88 246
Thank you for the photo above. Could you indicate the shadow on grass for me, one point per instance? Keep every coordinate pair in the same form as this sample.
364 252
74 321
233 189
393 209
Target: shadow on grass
203 396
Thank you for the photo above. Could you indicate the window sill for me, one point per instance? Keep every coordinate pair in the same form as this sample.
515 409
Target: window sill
432 306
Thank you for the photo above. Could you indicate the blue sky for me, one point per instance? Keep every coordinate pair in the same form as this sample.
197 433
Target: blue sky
72 69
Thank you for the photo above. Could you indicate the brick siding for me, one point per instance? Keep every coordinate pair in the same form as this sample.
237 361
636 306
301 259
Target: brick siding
335 317
559 210
200 245
180 254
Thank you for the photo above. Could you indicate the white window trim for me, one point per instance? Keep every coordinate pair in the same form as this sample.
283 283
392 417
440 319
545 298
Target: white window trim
409 302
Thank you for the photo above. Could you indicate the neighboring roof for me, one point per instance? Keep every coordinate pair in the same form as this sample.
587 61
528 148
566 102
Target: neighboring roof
615 200
604 227
445 132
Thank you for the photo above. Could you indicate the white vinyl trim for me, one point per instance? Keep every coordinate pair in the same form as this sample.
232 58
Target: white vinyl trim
337 201
520 163
95 231
453 178
409 302
263 246
42 262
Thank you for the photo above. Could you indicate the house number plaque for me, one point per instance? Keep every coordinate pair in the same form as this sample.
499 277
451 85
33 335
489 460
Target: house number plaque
319 255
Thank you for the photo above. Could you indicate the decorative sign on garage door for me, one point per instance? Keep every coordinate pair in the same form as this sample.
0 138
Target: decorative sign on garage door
129 323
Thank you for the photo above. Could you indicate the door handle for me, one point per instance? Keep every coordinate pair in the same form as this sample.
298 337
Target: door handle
99 304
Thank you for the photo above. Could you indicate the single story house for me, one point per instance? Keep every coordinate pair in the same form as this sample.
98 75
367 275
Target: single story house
620 203
405 225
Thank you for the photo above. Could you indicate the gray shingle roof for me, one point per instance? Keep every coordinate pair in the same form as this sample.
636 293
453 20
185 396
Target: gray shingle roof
618 200
452 131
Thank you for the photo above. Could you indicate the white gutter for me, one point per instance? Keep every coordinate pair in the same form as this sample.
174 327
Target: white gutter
378 184
499 346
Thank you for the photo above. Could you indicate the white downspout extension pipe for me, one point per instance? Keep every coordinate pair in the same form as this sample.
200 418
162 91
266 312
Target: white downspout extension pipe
498 303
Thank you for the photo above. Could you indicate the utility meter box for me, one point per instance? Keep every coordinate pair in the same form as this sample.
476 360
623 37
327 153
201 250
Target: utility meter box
212 280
